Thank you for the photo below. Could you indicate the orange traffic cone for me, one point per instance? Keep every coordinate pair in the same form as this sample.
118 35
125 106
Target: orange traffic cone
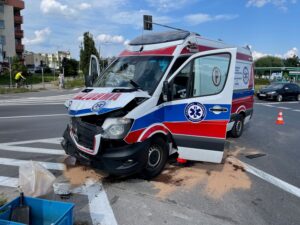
181 160
279 120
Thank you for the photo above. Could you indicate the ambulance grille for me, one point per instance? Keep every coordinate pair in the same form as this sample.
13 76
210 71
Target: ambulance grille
85 132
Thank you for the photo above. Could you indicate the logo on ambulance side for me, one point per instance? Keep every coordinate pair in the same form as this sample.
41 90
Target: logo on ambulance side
245 75
98 106
216 76
195 112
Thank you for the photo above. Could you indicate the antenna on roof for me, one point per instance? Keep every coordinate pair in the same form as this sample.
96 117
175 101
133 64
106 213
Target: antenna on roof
148 24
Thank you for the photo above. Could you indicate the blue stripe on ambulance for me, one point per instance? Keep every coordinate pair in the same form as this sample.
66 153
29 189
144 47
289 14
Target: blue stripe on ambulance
86 111
242 93
175 113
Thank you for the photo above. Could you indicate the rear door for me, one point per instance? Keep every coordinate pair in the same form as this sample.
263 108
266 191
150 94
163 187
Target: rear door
199 111
94 70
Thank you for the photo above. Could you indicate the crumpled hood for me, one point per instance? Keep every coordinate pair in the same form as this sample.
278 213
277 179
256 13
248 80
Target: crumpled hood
96 101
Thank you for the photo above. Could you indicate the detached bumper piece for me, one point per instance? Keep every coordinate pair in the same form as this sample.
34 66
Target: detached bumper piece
121 161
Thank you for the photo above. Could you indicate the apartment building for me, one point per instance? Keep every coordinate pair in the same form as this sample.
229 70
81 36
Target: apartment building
34 60
11 32
52 60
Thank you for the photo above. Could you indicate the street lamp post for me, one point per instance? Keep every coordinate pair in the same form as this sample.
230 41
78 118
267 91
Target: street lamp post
10 75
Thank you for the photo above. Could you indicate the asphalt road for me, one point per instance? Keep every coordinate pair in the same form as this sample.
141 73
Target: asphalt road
199 194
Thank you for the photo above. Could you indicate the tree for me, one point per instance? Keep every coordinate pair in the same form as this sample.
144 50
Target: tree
86 51
268 61
71 67
292 62
17 66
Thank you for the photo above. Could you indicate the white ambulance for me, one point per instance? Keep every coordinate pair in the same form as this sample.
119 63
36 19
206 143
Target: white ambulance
167 93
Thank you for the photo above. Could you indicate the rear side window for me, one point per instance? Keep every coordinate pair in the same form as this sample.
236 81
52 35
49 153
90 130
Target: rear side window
210 74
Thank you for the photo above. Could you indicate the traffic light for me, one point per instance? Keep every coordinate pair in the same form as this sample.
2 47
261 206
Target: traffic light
64 62
147 22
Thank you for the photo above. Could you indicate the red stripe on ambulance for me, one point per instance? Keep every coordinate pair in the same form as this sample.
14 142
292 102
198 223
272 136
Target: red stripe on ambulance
97 96
213 129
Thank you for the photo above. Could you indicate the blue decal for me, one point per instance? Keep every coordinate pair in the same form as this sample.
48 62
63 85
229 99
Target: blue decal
195 112
176 113
86 111
98 106
242 93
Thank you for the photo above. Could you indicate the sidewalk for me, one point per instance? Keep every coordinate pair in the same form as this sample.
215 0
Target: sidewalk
47 85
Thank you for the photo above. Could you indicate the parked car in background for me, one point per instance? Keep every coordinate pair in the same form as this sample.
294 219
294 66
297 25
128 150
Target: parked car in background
280 91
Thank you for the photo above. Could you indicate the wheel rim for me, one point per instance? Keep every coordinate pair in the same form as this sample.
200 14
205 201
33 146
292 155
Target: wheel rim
154 156
279 98
299 97
239 126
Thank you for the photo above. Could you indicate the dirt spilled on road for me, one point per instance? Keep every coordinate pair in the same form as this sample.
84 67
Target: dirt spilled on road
78 175
215 179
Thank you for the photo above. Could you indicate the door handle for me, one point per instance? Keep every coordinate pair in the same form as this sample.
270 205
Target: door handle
218 109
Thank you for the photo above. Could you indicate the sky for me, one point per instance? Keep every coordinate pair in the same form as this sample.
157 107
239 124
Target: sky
270 27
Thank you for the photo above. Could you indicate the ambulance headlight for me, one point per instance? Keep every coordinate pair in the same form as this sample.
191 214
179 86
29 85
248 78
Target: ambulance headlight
116 128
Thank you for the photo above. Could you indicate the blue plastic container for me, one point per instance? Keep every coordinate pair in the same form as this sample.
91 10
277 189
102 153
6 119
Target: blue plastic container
42 212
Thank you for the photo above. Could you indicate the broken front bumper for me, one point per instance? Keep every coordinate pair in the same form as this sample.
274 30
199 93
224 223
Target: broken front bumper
124 160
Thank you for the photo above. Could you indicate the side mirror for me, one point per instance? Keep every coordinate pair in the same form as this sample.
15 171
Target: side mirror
166 91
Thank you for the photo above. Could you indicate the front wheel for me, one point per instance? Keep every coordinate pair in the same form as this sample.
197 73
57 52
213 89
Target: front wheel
238 127
279 98
157 158
298 97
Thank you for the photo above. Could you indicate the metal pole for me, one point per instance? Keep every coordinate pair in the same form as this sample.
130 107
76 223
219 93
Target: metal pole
10 75
43 77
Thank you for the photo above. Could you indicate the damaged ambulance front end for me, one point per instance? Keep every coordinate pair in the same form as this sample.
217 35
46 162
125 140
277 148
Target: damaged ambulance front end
101 115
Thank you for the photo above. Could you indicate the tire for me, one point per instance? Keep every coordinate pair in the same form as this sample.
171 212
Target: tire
298 97
238 126
279 98
157 158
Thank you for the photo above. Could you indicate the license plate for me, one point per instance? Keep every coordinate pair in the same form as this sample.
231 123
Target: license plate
263 95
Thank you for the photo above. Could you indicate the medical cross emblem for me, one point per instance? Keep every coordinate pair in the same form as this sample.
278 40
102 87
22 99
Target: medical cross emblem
195 112
245 75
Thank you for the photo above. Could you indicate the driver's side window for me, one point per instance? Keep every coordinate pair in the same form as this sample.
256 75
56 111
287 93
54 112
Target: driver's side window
181 82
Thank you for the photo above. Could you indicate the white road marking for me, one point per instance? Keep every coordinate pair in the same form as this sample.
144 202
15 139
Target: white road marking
46 140
281 107
269 105
56 99
32 116
18 162
100 209
275 103
31 150
9 182
296 110
271 179
99 206
35 103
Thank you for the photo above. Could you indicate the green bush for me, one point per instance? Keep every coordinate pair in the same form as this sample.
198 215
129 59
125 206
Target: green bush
261 81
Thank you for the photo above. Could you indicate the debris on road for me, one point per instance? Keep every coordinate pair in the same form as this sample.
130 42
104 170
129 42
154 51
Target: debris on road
79 174
217 179
35 180
253 156
70 161
3 199
62 187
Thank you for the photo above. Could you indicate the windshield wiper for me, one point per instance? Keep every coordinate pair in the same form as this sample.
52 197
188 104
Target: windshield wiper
135 84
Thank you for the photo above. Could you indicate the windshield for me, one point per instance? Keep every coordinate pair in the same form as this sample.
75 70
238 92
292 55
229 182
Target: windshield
275 86
143 72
